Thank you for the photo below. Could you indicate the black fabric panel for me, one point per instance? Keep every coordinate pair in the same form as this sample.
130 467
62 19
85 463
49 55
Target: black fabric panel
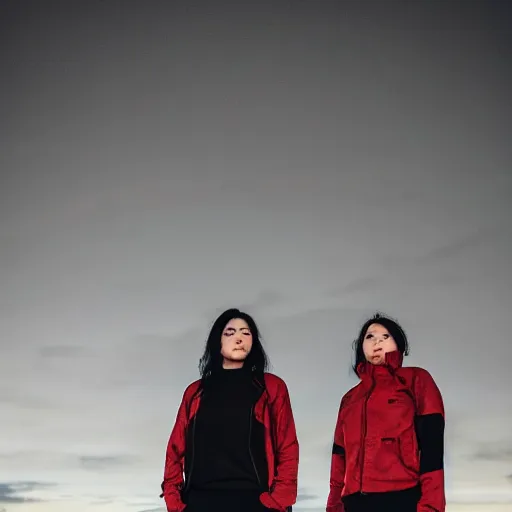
337 449
258 452
225 501
188 449
220 461
402 501
430 434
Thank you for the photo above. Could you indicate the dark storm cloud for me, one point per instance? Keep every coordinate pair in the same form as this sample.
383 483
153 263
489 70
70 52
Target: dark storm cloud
13 492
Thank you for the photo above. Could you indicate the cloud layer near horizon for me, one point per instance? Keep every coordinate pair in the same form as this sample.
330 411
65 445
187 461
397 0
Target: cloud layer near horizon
308 164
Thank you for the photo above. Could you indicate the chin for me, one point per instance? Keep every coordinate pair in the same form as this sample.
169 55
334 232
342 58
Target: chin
238 357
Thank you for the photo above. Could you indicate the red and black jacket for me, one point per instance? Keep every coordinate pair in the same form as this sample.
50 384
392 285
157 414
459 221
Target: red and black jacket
272 416
390 436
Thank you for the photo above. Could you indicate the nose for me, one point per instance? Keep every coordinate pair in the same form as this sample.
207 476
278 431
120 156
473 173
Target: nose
238 340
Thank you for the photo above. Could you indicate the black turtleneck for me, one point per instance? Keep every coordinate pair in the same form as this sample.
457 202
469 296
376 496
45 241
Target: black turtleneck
222 457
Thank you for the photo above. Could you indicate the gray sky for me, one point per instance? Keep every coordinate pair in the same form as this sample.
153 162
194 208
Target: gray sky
162 161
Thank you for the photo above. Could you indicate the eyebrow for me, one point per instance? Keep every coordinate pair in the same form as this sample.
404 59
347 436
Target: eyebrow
241 329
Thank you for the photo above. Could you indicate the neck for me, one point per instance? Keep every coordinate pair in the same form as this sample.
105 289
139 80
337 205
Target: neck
232 365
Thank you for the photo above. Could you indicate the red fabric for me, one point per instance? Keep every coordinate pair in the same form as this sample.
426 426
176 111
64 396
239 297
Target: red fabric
375 441
274 411
334 503
432 492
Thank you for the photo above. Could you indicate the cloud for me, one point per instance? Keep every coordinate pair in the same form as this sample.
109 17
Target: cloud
62 351
456 247
495 452
13 492
264 300
307 497
24 399
358 285
101 463
102 501
150 359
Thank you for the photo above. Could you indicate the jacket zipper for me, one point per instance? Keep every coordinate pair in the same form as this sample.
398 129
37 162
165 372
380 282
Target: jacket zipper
250 451
364 429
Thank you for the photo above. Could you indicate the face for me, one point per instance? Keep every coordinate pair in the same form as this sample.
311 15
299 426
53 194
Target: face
377 342
236 343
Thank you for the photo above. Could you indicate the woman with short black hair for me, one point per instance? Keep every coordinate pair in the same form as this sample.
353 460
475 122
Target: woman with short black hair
389 440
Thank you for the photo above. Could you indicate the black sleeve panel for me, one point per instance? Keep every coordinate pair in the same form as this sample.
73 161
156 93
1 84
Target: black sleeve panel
430 434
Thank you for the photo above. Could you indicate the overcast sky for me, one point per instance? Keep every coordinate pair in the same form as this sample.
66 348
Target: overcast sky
307 161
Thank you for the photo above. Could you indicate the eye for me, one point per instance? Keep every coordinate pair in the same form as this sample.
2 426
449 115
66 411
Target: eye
368 336
386 336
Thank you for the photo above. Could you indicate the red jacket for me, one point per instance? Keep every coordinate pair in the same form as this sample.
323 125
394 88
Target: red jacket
273 410
389 436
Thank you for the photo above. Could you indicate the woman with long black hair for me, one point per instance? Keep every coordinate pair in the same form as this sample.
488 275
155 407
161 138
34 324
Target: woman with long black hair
388 443
233 446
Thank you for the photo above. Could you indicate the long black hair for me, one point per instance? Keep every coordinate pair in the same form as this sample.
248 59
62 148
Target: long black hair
393 327
212 359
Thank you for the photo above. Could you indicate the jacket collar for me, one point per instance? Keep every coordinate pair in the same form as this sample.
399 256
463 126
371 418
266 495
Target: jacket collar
392 362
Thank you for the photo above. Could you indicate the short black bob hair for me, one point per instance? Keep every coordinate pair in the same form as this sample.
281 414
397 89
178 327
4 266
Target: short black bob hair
211 359
393 327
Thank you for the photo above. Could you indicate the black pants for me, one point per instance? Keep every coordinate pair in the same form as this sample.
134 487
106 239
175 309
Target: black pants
397 501
224 501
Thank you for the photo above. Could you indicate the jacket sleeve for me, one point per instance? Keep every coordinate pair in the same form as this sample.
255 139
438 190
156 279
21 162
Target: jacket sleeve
429 424
174 461
337 479
284 486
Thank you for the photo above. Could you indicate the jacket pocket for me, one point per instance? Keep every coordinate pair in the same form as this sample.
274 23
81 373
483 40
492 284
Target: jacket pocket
394 460
387 455
408 452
